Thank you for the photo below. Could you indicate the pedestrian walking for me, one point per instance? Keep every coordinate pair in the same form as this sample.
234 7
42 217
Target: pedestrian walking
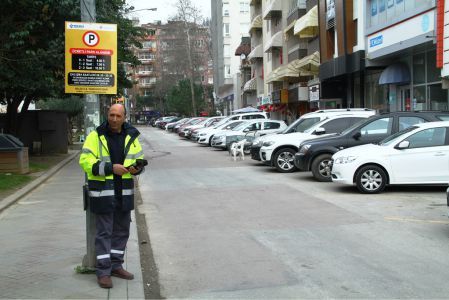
110 156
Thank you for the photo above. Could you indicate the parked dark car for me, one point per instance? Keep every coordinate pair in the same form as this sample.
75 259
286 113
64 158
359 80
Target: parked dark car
315 155
162 123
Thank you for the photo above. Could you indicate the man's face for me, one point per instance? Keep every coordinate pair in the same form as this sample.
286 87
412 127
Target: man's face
116 117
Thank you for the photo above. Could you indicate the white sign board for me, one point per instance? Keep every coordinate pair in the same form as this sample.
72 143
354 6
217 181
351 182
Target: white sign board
401 32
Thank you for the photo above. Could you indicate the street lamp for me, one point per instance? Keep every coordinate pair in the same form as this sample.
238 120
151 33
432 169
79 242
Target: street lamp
133 11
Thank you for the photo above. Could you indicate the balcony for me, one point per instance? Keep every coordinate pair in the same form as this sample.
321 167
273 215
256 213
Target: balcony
274 42
256 53
273 10
250 85
307 25
297 54
256 23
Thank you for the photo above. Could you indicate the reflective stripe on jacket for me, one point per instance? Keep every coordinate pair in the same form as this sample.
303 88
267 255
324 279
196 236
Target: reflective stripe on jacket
95 160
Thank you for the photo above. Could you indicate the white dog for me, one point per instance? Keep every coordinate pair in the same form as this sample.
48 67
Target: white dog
237 149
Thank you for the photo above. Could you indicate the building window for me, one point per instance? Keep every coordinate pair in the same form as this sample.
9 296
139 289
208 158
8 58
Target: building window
385 11
225 9
226 29
227 70
227 50
244 7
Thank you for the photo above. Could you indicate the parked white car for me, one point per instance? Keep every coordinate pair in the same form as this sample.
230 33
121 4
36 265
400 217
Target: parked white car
279 150
205 135
416 155
257 127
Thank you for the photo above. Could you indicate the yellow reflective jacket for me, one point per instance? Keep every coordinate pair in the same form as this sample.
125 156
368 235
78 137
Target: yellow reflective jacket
95 160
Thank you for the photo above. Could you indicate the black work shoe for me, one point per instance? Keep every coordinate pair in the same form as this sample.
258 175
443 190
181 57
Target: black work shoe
105 282
122 273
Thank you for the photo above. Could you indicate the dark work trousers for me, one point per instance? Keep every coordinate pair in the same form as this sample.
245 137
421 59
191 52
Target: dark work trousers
110 240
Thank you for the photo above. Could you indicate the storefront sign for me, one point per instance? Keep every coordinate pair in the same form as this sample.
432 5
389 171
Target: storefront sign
398 34
266 100
276 96
90 58
314 92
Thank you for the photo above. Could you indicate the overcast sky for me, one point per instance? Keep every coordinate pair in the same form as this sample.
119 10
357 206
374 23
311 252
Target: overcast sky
165 9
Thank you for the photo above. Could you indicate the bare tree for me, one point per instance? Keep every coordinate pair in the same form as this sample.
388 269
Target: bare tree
190 17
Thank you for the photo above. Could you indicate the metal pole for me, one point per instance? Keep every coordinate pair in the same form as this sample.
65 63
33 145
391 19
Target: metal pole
91 121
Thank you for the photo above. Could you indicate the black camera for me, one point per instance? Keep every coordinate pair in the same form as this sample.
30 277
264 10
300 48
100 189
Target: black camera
139 164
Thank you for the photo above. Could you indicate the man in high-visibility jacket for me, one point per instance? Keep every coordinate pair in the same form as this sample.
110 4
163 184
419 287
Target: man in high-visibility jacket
110 157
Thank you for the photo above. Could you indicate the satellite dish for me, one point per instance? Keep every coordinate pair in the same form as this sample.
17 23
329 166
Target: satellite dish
242 56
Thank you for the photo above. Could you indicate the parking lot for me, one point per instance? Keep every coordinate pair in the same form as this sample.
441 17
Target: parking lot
225 228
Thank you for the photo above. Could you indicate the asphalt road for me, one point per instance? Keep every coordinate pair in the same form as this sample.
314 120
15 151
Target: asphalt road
225 229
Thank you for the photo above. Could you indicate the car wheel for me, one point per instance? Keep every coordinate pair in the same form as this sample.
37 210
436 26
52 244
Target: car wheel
321 167
371 179
283 160
210 141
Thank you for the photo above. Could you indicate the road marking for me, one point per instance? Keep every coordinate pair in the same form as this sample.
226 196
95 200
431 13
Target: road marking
416 220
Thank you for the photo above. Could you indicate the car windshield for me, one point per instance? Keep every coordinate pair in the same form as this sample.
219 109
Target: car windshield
301 125
229 124
241 126
221 122
392 138
316 125
201 122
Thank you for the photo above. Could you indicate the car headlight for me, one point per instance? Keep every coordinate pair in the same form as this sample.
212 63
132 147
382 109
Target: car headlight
202 134
258 143
268 143
304 149
344 159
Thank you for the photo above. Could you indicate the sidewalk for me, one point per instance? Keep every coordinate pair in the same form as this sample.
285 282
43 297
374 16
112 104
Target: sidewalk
43 240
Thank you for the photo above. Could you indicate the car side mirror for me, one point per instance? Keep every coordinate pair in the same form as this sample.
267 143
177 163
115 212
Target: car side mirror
357 135
402 145
320 130
246 130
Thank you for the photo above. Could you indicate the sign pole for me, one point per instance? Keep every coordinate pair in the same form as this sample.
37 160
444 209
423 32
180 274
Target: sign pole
91 121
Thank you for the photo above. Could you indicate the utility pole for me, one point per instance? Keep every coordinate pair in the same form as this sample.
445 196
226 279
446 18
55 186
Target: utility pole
91 122
192 88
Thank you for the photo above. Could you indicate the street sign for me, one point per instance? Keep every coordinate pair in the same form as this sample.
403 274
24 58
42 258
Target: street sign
90 58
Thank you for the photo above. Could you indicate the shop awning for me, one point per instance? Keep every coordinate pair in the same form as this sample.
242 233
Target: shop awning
308 65
397 73
274 42
250 85
307 25
256 23
289 70
273 76
256 52
274 7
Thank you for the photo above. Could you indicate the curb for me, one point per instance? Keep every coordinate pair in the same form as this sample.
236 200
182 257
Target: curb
8 201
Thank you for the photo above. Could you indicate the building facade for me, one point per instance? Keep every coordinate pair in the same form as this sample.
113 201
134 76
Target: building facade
230 22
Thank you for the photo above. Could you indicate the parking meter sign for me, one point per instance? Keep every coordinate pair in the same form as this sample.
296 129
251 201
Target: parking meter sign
90 58
91 38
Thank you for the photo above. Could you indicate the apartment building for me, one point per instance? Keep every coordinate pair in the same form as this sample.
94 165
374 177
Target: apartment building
230 22
145 74
284 57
